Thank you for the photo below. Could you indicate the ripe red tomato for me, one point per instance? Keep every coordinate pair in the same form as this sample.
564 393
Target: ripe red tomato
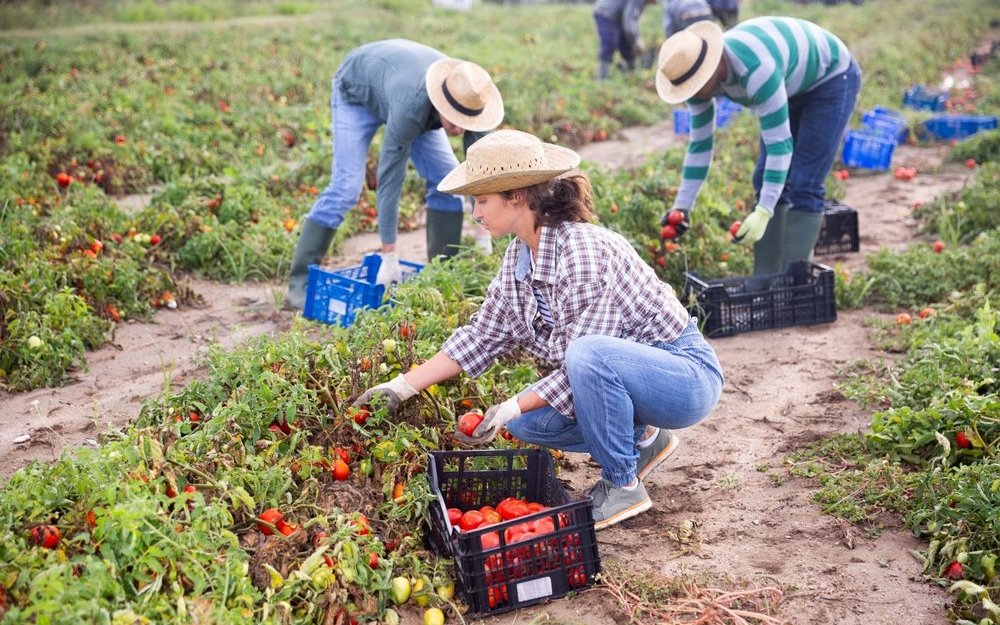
970 163
735 227
470 520
489 540
373 560
46 536
360 415
362 524
285 528
63 179
407 331
903 319
668 232
926 313
272 516
154 239
962 440
938 246
340 470
675 217
468 422
454 515
954 570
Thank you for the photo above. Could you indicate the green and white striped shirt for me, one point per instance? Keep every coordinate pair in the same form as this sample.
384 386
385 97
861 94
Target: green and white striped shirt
770 59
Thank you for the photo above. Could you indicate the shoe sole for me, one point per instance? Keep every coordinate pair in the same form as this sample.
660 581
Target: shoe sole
660 457
627 513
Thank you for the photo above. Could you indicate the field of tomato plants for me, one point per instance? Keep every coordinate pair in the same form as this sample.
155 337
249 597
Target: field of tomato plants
254 493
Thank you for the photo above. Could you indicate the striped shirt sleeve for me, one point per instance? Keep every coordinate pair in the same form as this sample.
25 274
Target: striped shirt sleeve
698 157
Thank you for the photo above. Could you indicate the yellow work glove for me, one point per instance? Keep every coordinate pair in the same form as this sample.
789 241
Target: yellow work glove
753 226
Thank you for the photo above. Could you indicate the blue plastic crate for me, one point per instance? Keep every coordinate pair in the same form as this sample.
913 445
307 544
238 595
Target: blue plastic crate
725 111
888 122
958 127
868 150
922 99
335 296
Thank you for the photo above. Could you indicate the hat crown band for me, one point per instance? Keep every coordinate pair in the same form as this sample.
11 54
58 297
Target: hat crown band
693 67
469 85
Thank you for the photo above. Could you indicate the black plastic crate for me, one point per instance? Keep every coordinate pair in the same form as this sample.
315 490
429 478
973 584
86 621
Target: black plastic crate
802 295
838 233
513 574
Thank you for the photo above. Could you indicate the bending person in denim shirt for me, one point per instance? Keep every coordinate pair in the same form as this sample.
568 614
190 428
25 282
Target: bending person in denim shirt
628 361
421 97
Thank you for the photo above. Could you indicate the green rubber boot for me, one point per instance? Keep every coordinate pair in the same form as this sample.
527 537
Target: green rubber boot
444 233
801 232
314 241
768 253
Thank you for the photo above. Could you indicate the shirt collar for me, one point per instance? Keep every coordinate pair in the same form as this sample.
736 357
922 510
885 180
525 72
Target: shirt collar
544 270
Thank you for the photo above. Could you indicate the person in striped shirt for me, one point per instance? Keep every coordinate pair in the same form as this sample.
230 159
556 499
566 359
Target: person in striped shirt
628 362
803 83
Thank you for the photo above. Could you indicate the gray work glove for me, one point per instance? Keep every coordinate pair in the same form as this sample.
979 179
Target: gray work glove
493 421
395 392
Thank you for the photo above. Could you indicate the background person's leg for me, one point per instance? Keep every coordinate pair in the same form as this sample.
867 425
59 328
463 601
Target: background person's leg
353 128
821 117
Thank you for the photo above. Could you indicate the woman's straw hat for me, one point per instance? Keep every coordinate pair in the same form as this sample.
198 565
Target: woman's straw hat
507 160
687 61
464 94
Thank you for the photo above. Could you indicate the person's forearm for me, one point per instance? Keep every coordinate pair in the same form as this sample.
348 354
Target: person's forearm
439 368
530 401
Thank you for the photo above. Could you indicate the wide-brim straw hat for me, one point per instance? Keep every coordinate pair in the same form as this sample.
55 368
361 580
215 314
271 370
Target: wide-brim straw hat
687 61
464 94
507 160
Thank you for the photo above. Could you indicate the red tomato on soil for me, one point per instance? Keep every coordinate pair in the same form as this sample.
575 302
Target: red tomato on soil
272 516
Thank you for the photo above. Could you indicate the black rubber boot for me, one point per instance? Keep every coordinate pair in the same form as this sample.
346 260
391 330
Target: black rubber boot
768 253
602 70
314 241
444 233
801 232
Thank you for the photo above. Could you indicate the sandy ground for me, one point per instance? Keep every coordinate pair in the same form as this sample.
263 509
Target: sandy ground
780 394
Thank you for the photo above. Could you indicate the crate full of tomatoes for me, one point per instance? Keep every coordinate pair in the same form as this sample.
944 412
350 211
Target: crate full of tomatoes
516 535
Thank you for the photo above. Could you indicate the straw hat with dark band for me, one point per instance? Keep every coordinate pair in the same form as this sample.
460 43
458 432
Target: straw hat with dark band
687 61
464 94
507 160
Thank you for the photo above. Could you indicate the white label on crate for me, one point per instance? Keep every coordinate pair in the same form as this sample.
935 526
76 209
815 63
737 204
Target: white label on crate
337 307
533 589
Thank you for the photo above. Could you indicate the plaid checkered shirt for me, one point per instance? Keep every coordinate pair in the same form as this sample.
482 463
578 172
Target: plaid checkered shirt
594 283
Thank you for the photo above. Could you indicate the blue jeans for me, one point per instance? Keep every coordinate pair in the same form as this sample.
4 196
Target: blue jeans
612 37
818 119
353 127
620 387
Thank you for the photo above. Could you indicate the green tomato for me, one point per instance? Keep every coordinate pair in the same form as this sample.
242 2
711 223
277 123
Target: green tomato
400 590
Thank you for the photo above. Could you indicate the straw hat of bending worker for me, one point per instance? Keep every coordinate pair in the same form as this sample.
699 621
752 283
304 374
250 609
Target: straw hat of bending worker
464 94
507 160
687 61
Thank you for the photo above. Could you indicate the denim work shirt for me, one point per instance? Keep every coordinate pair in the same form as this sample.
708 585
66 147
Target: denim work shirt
388 79
594 283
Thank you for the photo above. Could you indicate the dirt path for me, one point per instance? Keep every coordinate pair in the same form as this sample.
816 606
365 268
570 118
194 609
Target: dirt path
779 395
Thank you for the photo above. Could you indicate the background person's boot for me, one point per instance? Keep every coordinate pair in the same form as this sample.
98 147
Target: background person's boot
444 233
801 232
768 253
602 70
314 241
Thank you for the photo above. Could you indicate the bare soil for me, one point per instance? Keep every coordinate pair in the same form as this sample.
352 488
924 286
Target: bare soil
780 394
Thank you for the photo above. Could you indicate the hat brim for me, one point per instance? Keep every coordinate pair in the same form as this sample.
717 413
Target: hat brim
488 119
559 159
675 94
